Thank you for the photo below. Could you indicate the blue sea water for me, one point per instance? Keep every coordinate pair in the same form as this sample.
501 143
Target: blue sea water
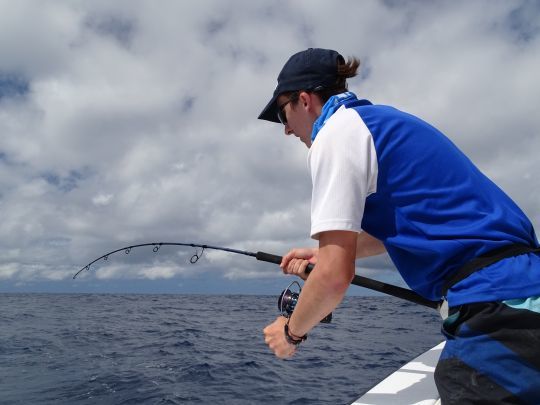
196 349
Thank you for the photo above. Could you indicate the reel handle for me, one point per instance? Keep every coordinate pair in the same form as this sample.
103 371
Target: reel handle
270 258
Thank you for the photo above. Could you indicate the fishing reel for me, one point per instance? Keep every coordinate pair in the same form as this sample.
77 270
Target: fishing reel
288 299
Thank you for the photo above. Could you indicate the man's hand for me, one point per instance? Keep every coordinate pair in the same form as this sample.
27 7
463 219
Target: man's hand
274 337
296 261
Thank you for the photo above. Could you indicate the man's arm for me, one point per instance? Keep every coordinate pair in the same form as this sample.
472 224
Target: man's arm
296 260
322 292
328 282
367 245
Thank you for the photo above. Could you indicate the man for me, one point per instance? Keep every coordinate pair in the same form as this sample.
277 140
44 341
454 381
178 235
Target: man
384 180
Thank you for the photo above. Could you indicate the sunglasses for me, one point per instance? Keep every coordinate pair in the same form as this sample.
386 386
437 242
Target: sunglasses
282 116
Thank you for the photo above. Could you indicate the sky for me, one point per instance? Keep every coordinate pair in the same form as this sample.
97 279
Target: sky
125 122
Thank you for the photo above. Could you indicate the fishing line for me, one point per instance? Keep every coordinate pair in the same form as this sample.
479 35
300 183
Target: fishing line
361 281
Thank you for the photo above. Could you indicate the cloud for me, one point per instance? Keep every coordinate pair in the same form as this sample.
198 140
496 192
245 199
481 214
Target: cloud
124 122
8 270
102 199
13 86
156 271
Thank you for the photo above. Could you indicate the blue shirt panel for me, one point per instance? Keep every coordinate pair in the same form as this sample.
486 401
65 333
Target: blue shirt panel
434 210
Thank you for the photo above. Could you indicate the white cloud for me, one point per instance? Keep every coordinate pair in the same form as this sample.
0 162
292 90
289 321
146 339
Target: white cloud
102 199
8 270
164 271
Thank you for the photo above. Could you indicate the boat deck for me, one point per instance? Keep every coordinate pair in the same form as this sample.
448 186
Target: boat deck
411 384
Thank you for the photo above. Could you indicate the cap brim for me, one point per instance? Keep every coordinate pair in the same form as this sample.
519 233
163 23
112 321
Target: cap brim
269 113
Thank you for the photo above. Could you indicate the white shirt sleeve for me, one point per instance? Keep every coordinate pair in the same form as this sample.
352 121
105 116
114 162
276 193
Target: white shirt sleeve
343 165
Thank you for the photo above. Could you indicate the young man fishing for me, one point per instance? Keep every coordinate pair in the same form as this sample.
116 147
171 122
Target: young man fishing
384 180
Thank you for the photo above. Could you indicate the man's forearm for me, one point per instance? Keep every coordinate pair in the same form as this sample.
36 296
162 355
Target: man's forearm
326 285
319 297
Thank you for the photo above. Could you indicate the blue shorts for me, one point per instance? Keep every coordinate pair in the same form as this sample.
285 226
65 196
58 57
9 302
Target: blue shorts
492 354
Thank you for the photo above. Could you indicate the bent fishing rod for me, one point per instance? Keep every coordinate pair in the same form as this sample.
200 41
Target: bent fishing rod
361 281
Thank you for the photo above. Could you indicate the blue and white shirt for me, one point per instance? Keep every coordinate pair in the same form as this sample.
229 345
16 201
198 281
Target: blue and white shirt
381 170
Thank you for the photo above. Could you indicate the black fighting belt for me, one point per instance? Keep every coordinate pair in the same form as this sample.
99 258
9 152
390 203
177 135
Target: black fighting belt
485 260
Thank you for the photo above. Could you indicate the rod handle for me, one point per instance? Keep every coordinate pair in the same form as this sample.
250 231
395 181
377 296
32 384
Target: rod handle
270 258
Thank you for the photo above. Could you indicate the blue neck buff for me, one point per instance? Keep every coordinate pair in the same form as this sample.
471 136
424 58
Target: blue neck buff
329 108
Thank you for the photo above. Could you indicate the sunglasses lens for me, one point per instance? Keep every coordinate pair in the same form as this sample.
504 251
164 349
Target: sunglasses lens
281 116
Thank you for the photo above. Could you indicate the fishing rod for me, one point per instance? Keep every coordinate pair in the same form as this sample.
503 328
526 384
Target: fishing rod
361 281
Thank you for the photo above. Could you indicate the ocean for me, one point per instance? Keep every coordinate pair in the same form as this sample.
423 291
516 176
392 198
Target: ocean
197 349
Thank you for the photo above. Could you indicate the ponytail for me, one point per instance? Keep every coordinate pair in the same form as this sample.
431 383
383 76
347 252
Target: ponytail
345 70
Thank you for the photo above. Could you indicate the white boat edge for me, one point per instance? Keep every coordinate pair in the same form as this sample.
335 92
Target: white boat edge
412 384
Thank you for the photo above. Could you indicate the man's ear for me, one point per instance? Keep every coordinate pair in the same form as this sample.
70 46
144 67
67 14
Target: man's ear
310 101
306 99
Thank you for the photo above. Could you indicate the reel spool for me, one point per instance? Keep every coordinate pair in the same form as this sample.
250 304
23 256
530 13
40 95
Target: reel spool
288 299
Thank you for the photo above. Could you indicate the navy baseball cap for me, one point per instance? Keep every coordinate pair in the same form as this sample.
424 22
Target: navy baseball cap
306 70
